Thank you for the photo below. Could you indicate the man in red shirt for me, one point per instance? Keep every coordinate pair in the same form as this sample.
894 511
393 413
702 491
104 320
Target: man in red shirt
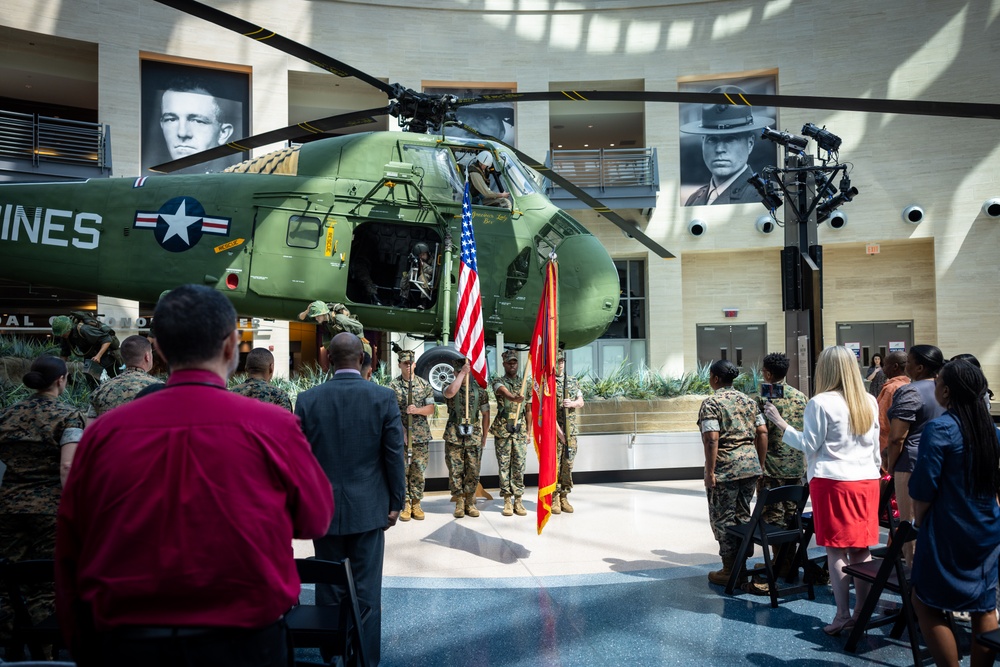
174 531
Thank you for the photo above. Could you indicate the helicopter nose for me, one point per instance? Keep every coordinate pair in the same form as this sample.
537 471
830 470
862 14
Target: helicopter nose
588 290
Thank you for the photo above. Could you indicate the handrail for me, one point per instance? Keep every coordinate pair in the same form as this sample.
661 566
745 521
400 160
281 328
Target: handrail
43 139
605 167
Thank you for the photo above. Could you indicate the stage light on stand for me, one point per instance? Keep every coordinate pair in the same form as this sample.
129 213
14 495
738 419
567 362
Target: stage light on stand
769 195
825 139
793 141
824 188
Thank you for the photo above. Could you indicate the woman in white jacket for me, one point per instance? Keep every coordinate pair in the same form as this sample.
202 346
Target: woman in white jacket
840 440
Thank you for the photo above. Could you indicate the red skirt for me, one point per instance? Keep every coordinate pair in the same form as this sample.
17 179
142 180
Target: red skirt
845 514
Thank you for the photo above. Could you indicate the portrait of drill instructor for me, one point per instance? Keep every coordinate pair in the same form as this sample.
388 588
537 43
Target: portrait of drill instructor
416 403
728 134
783 466
734 435
510 433
82 335
137 353
570 399
260 370
465 437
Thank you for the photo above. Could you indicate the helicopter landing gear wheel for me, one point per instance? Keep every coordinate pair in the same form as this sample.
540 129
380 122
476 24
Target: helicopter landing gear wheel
435 366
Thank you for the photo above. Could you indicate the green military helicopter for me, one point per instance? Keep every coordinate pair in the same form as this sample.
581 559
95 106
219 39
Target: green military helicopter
339 218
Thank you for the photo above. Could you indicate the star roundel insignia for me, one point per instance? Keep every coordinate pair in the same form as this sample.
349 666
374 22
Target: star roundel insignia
180 223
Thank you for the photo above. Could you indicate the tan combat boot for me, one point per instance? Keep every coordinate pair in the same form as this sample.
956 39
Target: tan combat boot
405 514
518 507
459 507
564 501
556 505
416 511
721 577
470 505
508 508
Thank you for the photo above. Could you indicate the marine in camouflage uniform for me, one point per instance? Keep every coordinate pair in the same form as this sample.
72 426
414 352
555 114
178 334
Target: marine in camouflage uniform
511 448
416 430
735 417
260 370
32 434
264 391
80 339
464 454
566 418
119 391
783 466
417 282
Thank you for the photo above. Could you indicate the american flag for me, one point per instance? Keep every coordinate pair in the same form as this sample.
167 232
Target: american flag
469 338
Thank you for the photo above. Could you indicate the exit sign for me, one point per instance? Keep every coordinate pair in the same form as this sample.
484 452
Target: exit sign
871 249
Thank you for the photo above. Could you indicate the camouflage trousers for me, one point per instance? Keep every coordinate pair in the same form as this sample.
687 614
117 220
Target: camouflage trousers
729 505
565 455
779 514
463 466
28 537
415 471
511 456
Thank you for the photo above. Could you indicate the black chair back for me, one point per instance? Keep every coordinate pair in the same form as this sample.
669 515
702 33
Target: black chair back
337 630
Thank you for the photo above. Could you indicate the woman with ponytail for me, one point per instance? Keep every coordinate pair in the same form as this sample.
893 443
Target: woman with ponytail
954 488
38 437
840 439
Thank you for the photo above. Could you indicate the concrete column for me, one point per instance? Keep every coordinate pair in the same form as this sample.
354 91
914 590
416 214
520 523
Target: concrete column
273 335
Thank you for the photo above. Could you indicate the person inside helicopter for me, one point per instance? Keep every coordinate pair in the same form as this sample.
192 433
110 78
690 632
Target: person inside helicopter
479 175
416 286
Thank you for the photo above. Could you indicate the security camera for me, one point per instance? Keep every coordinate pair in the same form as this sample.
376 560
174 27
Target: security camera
837 219
991 207
913 214
697 227
765 224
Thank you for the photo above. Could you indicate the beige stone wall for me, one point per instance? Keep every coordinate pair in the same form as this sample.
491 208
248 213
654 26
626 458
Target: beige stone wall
931 51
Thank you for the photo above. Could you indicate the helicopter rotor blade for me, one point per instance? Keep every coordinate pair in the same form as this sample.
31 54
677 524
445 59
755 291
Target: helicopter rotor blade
291 47
908 107
290 133
631 229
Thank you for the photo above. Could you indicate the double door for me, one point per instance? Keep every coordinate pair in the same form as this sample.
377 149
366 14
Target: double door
743 344
866 339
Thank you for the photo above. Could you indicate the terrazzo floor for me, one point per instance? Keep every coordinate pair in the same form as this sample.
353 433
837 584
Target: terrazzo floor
622 580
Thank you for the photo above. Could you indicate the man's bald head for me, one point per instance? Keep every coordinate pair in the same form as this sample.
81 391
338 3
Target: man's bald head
346 351
894 364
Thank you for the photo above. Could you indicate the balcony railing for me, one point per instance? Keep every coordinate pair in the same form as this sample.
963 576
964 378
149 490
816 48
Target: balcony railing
40 140
626 177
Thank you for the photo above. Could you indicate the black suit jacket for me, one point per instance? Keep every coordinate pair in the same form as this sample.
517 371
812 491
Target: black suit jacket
356 434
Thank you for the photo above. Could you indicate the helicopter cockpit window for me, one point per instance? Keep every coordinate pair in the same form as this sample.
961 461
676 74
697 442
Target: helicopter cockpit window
518 180
547 241
303 231
441 181
517 273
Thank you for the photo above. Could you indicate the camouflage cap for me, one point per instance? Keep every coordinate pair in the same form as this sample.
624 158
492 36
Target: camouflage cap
61 325
561 356
458 363
510 354
338 307
317 308
405 356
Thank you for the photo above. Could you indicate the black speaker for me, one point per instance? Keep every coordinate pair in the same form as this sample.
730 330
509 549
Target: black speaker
791 274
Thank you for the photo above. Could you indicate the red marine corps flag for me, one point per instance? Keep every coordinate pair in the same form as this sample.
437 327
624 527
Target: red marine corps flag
469 337
544 345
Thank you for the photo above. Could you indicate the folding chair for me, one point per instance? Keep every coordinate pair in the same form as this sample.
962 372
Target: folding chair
887 573
15 577
990 639
337 630
757 531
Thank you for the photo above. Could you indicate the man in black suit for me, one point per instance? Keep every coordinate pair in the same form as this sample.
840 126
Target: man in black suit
356 434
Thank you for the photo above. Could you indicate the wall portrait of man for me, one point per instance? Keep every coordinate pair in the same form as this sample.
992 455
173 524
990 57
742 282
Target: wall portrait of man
495 119
187 109
720 144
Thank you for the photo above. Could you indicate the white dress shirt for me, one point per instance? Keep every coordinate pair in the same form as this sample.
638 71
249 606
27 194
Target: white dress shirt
832 451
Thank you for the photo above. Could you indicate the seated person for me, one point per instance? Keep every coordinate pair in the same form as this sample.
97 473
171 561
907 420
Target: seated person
479 172
416 287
